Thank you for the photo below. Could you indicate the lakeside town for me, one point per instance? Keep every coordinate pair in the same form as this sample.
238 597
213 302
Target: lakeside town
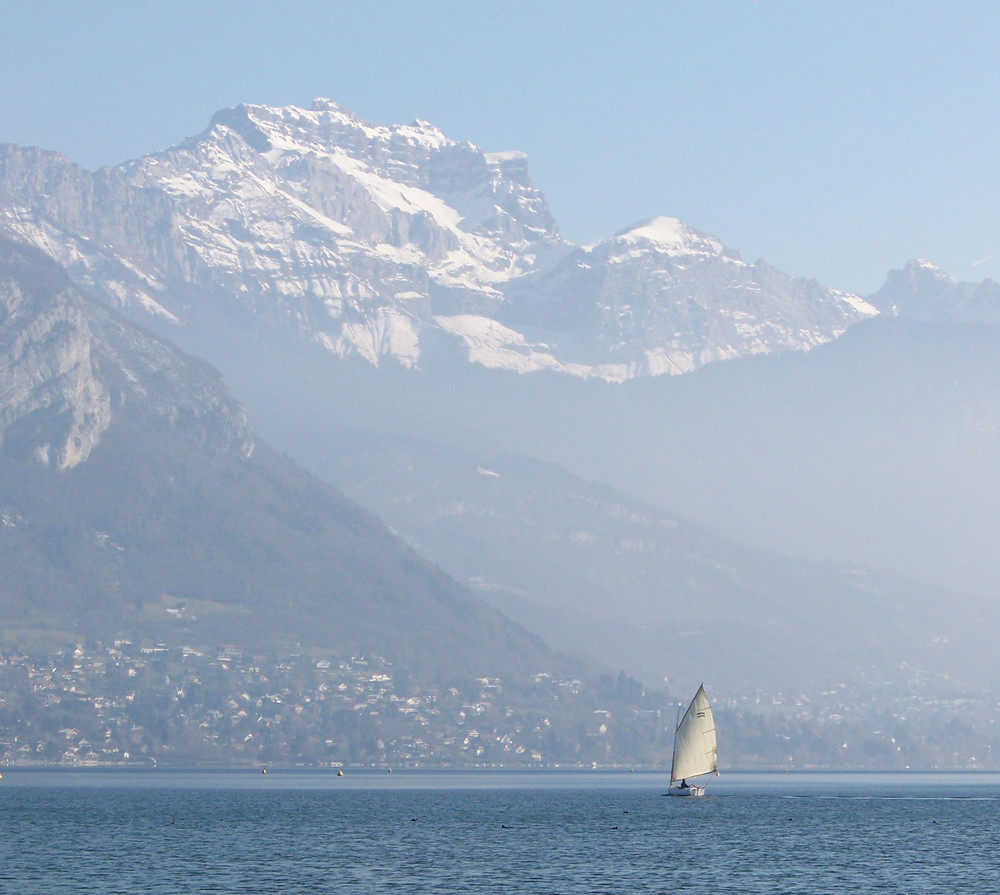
129 703
150 704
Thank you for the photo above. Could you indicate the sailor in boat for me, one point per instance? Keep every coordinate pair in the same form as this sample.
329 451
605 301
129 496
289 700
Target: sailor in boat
684 785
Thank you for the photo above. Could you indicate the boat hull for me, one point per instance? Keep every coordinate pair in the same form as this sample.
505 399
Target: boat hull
689 791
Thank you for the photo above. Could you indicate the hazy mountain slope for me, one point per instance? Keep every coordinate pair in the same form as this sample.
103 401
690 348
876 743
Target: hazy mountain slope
880 448
599 573
165 501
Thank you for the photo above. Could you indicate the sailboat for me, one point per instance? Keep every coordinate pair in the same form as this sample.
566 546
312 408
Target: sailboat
694 748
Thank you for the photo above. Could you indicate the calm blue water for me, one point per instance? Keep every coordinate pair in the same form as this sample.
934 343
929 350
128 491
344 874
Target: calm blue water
170 832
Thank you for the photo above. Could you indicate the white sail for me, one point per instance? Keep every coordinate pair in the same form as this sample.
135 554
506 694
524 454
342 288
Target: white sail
694 741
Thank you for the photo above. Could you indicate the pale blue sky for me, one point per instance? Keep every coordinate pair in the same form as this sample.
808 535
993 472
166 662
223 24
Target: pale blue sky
835 140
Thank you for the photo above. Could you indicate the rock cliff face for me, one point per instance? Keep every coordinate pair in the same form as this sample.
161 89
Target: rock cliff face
68 365
54 406
397 243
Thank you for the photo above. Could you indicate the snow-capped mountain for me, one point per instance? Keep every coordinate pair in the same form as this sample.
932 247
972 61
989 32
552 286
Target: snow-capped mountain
661 297
388 243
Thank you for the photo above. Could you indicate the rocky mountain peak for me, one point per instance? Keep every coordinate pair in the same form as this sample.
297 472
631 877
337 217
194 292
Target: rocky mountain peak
923 291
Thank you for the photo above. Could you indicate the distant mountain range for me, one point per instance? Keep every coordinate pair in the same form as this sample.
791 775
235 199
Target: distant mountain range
760 515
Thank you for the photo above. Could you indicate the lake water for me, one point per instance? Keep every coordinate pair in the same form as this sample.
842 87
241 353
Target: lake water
547 833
